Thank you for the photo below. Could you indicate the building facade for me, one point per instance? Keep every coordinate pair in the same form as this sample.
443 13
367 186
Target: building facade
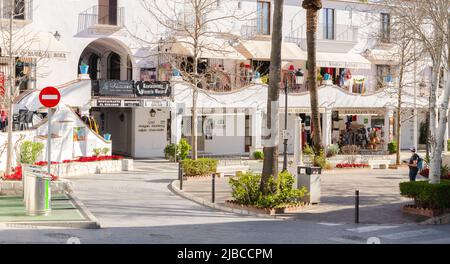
114 62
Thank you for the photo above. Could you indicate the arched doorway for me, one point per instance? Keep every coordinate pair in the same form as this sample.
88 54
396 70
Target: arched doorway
114 66
108 58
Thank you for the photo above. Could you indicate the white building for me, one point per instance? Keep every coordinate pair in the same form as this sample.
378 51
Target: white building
118 40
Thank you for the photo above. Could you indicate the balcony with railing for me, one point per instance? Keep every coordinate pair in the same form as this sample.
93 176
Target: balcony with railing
252 31
23 11
340 38
101 18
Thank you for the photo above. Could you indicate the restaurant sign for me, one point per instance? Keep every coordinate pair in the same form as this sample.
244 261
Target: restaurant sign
109 103
115 87
160 89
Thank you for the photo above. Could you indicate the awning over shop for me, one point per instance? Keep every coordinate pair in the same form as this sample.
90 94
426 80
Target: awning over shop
210 48
33 45
382 56
342 60
260 50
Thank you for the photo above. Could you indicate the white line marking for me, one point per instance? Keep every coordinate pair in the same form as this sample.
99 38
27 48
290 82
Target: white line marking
415 233
50 97
330 224
370 228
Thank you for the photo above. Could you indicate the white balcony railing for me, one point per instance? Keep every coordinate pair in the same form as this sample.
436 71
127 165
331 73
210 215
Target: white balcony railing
342 33
98 16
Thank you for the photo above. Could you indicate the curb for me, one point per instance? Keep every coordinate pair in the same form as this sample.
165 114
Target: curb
91 223
438 220
172 186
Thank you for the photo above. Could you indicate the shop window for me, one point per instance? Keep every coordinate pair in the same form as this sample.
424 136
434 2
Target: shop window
328 23
19 9
263 17
385 27
25 77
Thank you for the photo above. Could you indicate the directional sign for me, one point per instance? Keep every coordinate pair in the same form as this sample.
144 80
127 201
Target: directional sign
49 97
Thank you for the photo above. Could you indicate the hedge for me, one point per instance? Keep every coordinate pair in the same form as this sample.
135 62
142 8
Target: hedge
426 195
199 167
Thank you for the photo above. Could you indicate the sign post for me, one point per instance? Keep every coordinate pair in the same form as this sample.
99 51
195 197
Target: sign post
49 97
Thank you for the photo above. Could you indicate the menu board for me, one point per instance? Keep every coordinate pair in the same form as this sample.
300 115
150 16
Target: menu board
161 89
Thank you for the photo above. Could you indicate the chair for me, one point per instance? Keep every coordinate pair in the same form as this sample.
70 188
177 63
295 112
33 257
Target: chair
29 118
23 119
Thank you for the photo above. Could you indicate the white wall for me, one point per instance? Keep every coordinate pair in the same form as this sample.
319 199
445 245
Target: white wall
228 139
150 133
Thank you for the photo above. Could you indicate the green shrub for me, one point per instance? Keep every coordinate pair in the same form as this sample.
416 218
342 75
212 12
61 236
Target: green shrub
202 166
29 152
320 160
308 150
258 155
182 149
97 152
392 147
245 190
332 150
169 152
426 195
448 145
105 151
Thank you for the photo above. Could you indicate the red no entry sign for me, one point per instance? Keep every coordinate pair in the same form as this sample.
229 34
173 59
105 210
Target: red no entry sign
49 97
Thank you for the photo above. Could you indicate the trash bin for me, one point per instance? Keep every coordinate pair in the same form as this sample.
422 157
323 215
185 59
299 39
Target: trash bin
37 193
309 177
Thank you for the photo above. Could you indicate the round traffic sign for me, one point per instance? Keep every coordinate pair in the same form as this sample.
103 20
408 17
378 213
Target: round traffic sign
49 97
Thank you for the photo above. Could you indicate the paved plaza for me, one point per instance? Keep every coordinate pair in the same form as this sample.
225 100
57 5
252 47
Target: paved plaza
380 200
138 207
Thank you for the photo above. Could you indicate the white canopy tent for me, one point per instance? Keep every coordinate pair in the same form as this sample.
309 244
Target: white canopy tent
260 50
342 60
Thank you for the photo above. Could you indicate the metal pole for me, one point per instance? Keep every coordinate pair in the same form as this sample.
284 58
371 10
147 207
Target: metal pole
285 125
49 141
357 207
213 198
180 175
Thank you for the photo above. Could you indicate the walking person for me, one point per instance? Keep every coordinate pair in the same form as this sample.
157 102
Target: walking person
413 164
3 120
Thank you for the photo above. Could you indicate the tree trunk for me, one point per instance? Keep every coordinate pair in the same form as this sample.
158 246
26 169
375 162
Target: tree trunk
270 165
399 112
194 124
311 24
435 161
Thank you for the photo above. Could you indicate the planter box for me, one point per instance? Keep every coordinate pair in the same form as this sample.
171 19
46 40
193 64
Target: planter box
268 211
201 177
412 209
16 187
83 168
250 208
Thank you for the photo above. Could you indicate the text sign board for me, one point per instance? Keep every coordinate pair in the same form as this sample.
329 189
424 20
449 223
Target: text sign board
115 87
161 89
49 97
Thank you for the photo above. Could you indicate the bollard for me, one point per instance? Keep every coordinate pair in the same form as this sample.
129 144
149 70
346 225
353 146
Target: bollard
357 207
180 175
213 191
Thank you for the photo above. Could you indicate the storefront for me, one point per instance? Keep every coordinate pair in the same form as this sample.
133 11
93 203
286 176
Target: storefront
137 115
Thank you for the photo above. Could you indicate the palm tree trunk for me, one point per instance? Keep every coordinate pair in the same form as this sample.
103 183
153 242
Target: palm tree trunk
311 32
271 152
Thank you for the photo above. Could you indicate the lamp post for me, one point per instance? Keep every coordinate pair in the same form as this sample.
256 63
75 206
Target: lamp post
285 135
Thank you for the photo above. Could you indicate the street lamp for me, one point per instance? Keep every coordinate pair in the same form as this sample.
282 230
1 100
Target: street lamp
285 136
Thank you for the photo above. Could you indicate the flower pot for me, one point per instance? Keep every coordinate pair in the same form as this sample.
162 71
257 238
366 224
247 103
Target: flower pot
84 69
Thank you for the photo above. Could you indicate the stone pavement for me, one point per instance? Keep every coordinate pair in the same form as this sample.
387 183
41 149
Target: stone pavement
380 200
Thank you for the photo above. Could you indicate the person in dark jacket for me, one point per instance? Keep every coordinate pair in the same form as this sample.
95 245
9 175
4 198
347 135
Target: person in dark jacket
412 164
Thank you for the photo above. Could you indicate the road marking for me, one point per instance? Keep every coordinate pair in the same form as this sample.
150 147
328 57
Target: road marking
370 228
414 233
330 224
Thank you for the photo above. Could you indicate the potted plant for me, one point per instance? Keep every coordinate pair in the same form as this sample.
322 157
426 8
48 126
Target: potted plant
84 68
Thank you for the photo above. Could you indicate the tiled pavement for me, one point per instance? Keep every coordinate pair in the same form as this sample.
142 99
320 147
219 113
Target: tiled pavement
380 200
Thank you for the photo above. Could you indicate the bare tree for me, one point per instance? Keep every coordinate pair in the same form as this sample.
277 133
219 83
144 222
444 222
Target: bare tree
196 24
429 20
17 42
270 165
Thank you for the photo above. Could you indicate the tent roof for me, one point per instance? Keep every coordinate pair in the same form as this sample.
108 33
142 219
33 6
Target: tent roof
260 50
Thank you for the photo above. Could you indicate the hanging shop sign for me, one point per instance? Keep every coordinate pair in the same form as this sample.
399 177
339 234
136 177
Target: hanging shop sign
109 103
361 112
115 87
132 103
156 103
160 89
